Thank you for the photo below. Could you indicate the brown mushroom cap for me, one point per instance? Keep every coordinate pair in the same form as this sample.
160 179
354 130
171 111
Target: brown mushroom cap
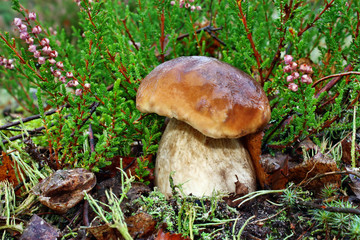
213 97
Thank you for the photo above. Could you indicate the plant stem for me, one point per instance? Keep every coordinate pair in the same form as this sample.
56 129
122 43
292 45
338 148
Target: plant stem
353 162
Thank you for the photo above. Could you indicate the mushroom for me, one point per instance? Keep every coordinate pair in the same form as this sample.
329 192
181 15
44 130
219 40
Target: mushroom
211 105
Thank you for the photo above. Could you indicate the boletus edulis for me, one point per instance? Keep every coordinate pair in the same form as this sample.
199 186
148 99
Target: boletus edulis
211 106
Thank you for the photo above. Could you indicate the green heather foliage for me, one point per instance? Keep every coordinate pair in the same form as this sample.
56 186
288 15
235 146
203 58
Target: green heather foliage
113 45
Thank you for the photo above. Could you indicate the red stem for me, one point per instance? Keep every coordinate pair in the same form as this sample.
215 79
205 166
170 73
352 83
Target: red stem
162 37
249 36
309 25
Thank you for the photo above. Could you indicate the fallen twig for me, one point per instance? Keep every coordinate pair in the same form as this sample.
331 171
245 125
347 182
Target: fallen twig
28 119
331 83
329 209
268 218
317 176
335 75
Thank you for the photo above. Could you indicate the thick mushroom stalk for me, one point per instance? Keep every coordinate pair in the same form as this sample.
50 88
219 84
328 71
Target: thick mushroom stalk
202 164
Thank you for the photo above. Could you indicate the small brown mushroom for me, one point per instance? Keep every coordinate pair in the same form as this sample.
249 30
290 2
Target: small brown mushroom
211 105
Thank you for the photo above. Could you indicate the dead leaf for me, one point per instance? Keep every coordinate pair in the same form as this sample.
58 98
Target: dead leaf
317 165
104 232
240 188
39 229
64 189
169 236
277 168
7 171
141 225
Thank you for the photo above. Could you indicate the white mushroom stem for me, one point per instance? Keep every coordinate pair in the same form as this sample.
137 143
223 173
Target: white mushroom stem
202 164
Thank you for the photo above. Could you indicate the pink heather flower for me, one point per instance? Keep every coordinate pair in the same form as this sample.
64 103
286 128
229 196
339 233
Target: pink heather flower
187 5
24 35
52 61
193 8
57 73
191 1
293 87
37 54
46 49
10 66
22 28
32 48
172 3
306 79
198 8
36 30
53 54
72 83
60 65
69 75
62 79
10 61
78 92
41 60
87 85
287 68
44 42
295 75
288 59
289 78
52 31
32 16
17 22
4 61
293 66
30 40
305 68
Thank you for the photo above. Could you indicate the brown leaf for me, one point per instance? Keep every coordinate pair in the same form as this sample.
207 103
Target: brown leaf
141 225
277 168
319 164
7 170
104 232
253 145
169 236
39 229
240 188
